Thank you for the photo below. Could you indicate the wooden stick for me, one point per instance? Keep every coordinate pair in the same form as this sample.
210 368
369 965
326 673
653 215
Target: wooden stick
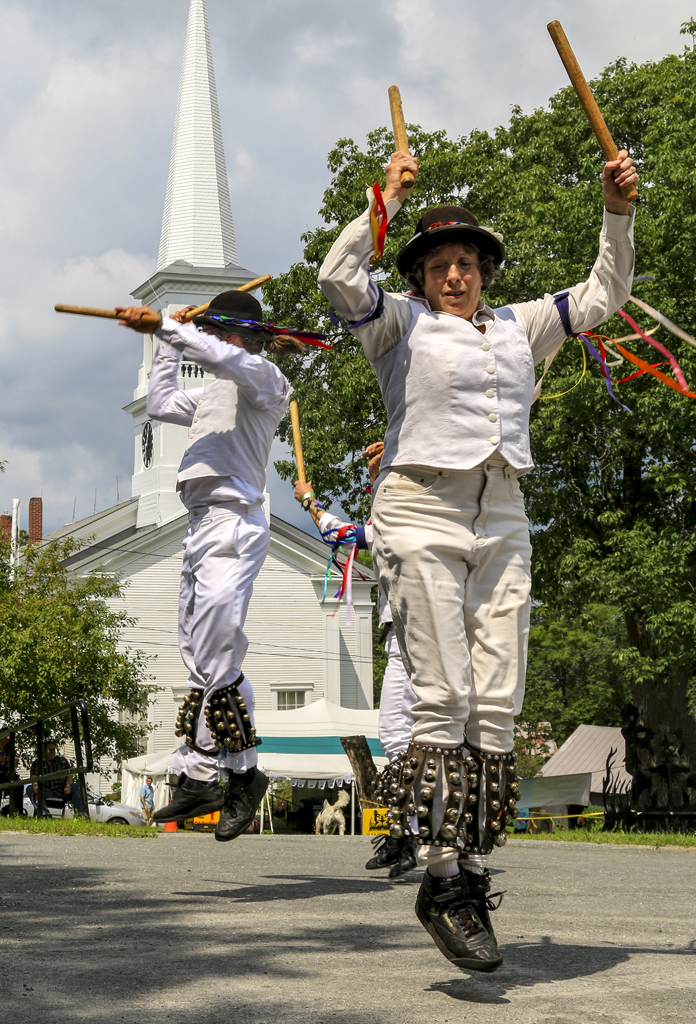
153 319
586 98
297 441
400 136
248 287
108 314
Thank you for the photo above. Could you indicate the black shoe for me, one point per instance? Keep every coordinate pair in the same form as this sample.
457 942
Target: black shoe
387 852
445 910
407 858
479 887
191 803
241 805
406 861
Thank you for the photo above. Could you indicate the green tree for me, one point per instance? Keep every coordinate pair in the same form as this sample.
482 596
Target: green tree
59 641
574 674
611 501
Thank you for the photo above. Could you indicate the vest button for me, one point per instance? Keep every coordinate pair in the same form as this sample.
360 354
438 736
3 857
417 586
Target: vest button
490 369
493 417
490 393
485 347
495 440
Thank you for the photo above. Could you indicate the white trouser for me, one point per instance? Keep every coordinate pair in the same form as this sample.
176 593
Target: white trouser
454 556
395 703
224 549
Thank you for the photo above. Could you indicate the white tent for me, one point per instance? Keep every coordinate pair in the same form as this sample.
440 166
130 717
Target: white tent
556 791
135 770
302 745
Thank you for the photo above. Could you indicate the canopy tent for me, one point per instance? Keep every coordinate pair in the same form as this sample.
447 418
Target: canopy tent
556 791
135 770
304 745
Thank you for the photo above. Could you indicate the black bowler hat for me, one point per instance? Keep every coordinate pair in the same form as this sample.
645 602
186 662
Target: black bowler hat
443 225
236 312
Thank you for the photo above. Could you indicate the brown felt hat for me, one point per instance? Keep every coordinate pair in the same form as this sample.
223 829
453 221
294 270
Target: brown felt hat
442 225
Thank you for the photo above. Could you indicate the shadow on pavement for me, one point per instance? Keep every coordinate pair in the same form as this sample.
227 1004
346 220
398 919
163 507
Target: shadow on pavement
528 964
87 944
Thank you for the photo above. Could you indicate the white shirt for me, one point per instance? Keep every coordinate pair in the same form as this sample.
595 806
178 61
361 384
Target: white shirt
455 395
232 420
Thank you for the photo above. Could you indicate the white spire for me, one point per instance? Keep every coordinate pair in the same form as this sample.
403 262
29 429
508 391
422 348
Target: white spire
197 224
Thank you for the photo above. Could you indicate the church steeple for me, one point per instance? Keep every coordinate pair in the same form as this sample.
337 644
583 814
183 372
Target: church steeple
197 225
197 260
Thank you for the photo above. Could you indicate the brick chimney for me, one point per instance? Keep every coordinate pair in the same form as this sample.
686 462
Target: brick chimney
6 525
35 520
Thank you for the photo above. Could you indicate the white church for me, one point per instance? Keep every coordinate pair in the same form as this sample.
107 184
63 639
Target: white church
300 649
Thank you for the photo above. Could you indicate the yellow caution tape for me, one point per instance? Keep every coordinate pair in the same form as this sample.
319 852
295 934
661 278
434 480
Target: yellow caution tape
551 817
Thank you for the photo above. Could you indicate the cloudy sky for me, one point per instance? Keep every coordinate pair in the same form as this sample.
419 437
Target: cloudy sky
88 93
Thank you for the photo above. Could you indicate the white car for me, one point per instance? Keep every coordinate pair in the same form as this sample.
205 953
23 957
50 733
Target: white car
100 809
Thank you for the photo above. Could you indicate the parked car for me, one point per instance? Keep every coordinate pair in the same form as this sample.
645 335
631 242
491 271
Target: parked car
100 809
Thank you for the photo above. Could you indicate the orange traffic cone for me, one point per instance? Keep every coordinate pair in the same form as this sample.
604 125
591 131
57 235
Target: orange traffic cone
171 826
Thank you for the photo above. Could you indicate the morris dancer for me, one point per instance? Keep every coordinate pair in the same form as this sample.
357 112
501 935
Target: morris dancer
451 538
397 697
221 481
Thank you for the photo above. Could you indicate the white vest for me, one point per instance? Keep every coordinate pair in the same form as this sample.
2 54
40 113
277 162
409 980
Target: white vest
229 436
453 395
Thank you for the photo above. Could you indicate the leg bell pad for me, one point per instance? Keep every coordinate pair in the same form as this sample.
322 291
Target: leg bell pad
187 719
497 789
435 789
229 720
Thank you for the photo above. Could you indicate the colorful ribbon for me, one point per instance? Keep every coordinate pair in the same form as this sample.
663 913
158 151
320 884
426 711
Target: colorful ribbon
681 379
309 337
647 368
378 223
346 536
601 359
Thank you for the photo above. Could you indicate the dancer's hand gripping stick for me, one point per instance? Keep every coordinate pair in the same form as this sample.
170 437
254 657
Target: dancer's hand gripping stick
400 136
587 100
297 441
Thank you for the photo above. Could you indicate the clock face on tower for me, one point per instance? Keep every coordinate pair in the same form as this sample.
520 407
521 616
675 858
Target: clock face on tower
147 445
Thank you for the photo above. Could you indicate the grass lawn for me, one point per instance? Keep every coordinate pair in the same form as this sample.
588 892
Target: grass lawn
74 827
586 835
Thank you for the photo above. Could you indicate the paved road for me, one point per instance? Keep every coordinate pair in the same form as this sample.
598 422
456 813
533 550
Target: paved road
292 930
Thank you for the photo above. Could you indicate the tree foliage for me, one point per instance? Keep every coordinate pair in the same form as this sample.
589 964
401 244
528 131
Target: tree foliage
60 640
612 498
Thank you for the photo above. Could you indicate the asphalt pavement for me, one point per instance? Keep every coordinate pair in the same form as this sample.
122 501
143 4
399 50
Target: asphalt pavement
293 930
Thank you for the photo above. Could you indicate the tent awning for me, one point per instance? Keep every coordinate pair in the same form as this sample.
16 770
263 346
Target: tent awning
556 791
303 745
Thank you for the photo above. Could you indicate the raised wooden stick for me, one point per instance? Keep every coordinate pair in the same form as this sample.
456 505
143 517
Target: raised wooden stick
248 287
400 136
297 441
152 318
588 101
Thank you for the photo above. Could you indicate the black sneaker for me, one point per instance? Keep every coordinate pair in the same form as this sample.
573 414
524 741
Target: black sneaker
407 858
191 802
240 806
445 910
387 852
479 887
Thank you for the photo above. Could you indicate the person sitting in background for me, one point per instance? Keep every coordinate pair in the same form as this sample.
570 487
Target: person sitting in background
63 787
32 791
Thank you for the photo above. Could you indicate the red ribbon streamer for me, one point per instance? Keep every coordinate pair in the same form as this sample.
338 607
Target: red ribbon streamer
378 223
681 379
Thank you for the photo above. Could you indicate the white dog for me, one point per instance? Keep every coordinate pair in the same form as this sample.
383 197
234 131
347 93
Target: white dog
332 817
